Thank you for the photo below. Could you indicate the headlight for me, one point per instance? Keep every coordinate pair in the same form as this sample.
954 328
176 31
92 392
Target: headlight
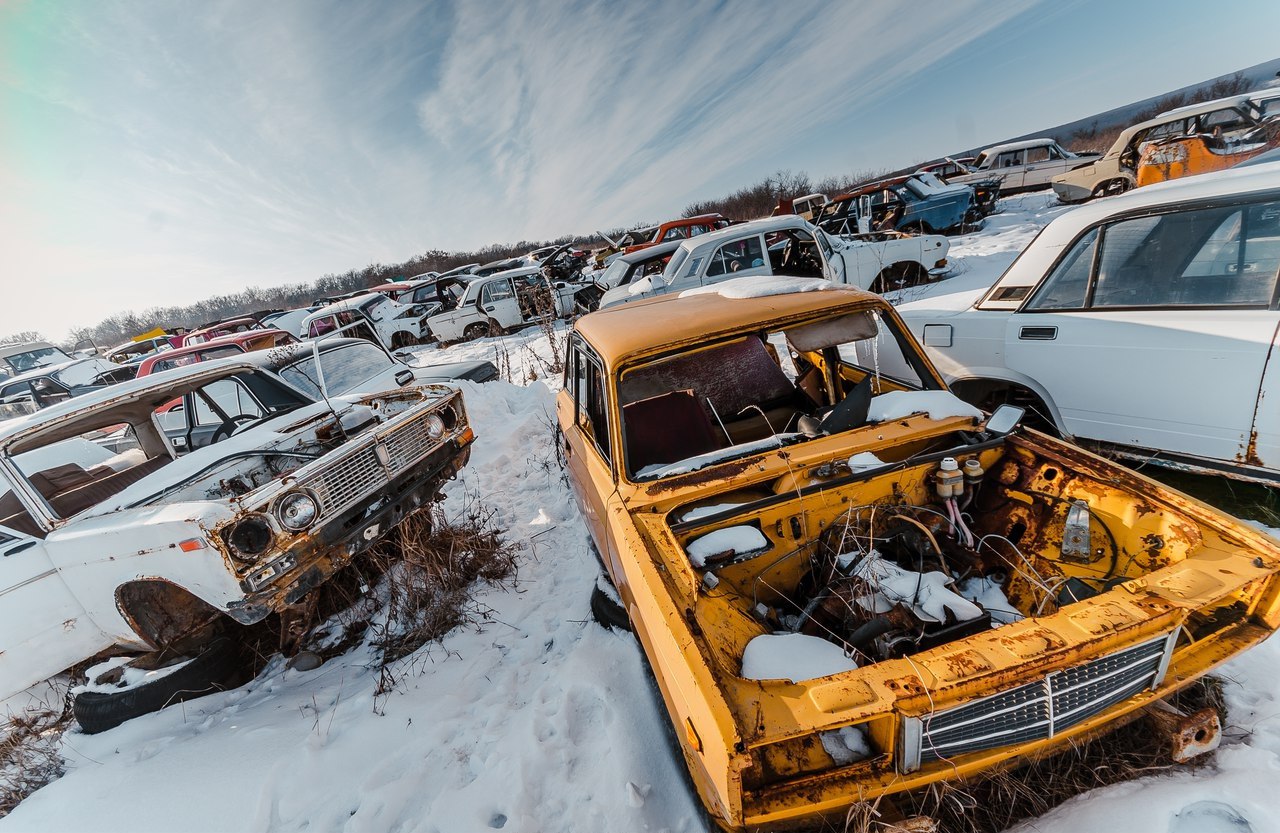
250 537
296 511
435 427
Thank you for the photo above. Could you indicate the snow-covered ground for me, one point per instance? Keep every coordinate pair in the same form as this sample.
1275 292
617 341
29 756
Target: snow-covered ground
543 721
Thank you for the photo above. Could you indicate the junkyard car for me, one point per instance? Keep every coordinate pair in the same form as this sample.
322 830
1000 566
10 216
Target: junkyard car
927 204
788 245
1145 324
624 270
374 316
1201 153
503 302
47 384
1115 171
20 358
847 583
1022 166
147 551
218 330
217 348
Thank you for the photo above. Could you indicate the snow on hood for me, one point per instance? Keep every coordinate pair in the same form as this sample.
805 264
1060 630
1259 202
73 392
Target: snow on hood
794 657
938 404
760 287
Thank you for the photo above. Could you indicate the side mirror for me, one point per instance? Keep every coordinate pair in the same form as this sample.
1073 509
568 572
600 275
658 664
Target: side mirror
404 377
1004 420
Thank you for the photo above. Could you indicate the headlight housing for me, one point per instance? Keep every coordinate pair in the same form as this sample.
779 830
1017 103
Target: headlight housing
435 426
249 537
297 511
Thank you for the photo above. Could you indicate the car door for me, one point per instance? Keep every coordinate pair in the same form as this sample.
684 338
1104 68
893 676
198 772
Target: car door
224 402
1039 167
1009 167
498 301
736 259
586 446
1154 331
43 626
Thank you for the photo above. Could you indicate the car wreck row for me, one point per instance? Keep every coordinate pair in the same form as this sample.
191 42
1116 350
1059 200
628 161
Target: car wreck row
847 582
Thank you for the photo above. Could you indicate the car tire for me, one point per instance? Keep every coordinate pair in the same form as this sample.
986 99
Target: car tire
402 339
210 671
606 608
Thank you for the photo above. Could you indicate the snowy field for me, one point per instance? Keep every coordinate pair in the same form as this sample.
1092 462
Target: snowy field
542 721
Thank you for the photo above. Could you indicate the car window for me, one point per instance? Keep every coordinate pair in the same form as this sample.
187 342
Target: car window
881 356
677 233
495 291
736 256
1225 119
229 395
590 405
22 362
1067 286
344 368
1009 158
1056 152
191 358
1037 154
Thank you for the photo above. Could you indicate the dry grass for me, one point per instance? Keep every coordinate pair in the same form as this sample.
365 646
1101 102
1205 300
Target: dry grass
999 800
431 569
30 754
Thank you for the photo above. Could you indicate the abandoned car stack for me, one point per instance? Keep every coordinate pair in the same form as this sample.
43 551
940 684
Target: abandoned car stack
866 544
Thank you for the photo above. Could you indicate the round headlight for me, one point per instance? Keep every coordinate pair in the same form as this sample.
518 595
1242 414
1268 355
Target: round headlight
435 427
250 537
296 511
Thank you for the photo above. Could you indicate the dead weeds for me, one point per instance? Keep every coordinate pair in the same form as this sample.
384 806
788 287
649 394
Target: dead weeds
30 752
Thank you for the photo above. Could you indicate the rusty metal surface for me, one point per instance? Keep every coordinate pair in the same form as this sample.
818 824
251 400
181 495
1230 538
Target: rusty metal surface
1188 736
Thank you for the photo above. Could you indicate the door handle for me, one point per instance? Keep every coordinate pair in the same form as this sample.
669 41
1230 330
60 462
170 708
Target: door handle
1038 333
488 309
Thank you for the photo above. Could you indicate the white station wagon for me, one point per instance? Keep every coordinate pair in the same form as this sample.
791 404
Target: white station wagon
1144 324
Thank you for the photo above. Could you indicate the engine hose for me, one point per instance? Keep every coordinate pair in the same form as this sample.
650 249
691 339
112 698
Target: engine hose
869 630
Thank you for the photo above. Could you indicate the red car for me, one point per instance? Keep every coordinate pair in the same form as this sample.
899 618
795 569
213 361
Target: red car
227 345
222 328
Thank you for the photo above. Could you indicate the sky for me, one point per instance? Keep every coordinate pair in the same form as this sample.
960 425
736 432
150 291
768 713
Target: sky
159 152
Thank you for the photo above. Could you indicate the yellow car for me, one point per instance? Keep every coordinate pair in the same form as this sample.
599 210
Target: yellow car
847 582
1199 154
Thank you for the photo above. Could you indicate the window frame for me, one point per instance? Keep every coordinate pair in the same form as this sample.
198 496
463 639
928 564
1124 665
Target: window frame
1237 201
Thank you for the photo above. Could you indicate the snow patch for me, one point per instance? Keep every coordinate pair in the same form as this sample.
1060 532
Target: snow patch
846 745
987 593
760 287
793 656
938 404
732 540
926 594
704 511
711 457
864 460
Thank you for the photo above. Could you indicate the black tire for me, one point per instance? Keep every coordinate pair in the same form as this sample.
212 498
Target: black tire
207 673
402 339
606 610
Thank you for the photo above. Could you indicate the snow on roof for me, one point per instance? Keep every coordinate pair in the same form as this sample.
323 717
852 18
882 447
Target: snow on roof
348 303
757 286
1021 145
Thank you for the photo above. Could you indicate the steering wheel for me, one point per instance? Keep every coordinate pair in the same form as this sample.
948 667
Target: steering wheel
229 427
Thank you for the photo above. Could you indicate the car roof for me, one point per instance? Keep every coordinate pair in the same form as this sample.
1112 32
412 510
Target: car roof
1021 144
653 324
41 371
278 357
226 322
763 226
349 303
158 388
649 252
1177 113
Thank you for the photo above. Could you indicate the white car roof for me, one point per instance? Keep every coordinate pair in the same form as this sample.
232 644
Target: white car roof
1021 145
714 238
42 370
1232 182
349 303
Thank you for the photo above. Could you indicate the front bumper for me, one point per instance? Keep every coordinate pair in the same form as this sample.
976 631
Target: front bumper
313 557
1068 192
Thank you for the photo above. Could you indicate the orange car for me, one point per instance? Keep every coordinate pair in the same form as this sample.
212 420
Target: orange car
681 229
1200 153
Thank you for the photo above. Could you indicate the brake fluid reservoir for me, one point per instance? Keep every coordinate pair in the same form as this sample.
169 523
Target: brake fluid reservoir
950 480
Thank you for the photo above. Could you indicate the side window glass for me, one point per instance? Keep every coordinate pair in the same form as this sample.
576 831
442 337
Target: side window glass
495 291
1040 154
1055 152
736 256
597 413
231 397
1067 286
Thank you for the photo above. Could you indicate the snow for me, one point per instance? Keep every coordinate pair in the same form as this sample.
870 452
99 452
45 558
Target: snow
704 511
846 745
544 720
735 540
701 461
793 656
759 287
926 594
987 593
938 404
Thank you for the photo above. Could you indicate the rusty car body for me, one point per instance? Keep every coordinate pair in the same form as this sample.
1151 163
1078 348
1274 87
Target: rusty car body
144 550
848 584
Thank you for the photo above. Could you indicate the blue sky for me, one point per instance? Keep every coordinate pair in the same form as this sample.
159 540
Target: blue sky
159 152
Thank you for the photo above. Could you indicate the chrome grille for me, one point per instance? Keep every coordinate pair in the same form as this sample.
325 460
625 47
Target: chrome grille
1037 710
360 473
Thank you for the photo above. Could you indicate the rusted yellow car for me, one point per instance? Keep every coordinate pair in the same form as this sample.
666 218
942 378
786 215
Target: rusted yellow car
848 583
1200 153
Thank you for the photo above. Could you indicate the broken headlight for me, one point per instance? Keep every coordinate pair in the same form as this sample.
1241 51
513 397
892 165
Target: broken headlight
297 511
435 427
249 537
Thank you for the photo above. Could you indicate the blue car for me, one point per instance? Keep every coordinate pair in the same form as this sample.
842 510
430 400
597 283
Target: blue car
917 203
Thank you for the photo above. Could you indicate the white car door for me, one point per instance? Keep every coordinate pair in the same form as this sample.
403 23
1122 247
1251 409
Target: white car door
498 301
43 627
1155 331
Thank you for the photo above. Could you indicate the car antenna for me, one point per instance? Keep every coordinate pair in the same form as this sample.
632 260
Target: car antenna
324 393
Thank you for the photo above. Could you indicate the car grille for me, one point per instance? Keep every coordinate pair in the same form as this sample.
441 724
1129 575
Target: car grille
360 473
1037 710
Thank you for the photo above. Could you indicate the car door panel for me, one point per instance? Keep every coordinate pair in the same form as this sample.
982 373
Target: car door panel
1184 381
